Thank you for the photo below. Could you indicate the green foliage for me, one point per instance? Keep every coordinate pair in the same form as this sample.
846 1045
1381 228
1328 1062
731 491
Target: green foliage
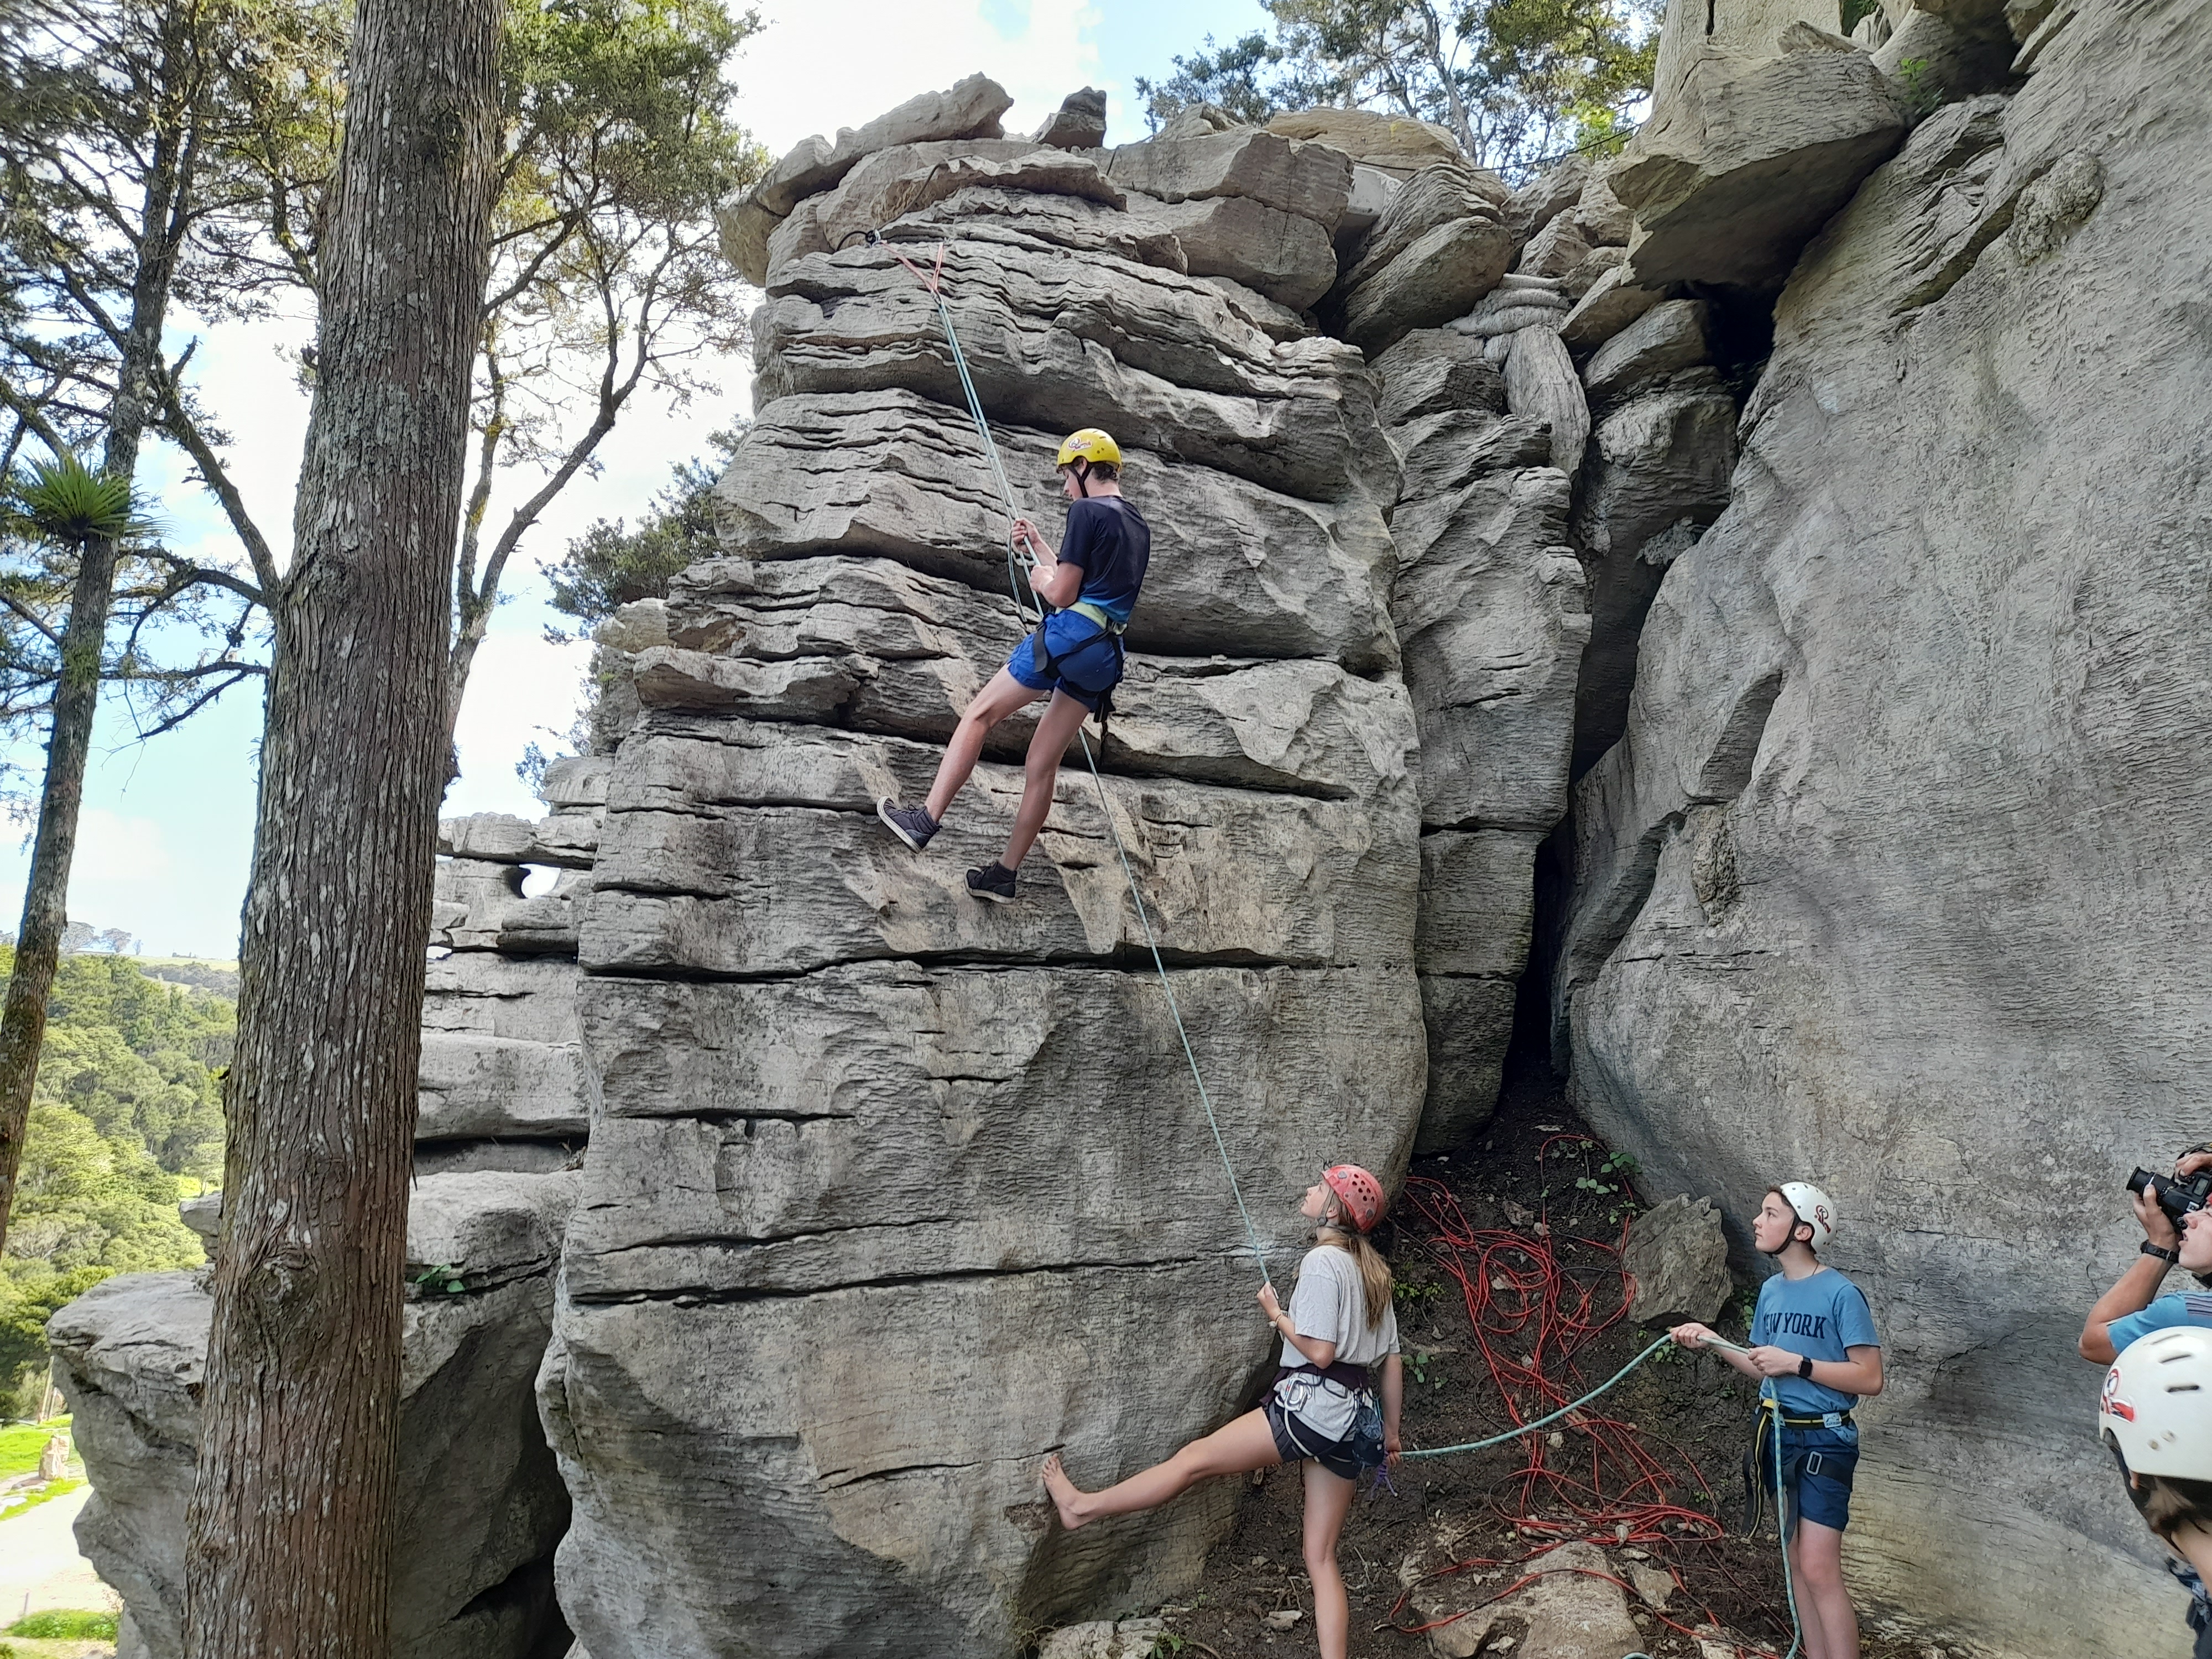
22 1442
65 1625
610 565
442 1280
45 1494
1854 12
1229 77
63 501
1413 1297
1921 90
126 1119
1516 83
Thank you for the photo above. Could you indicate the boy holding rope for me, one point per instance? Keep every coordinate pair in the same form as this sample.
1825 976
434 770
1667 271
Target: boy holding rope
1830 1361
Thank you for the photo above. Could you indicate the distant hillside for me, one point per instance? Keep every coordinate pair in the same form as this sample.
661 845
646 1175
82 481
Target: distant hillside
203 972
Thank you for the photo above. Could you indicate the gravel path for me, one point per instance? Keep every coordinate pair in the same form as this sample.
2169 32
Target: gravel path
40 1566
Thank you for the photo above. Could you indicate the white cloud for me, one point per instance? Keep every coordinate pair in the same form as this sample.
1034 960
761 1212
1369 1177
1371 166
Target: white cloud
821 64
114 851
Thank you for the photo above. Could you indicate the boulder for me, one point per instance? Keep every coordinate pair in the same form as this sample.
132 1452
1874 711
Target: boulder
907 179
1678 1255
1310 180
1574 1610
1104 1638
1394 144
1613 301
1079 123
481 1506
1903 831
746 230
1433 281
1553 251
1748 158
1436 371
1438 247
1289 259
1540 383
1371 191
1587 271
1601 218
1491 618
1660 461
1750 29
968 109
1544 197
1669 336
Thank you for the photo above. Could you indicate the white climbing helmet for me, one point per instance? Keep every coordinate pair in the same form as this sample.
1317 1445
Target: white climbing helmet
2157 1403
1813 1207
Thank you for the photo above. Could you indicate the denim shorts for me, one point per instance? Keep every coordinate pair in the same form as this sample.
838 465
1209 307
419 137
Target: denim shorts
1817 1467
1295 1442
1086 653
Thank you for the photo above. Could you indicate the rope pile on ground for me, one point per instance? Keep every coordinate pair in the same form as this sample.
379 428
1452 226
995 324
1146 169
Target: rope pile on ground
1533 1316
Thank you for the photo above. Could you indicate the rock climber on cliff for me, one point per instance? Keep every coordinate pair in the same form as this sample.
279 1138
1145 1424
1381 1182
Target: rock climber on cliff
1075 656
1323 1410
1815 1356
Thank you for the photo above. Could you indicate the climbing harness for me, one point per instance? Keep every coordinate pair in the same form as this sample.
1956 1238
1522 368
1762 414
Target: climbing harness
934 284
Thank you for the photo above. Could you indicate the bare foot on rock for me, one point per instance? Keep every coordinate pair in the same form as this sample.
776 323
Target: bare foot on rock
1064 1495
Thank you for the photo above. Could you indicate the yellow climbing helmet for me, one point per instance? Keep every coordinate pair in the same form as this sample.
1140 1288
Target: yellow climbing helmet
1089 445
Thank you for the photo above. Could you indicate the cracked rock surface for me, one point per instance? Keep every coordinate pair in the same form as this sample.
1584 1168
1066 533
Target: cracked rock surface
1901 859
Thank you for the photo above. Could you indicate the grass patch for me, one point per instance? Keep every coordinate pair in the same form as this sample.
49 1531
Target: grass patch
45 1494
59 1625
22 1442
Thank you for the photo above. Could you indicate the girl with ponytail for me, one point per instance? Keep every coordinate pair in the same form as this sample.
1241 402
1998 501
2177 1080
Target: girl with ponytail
1327 1410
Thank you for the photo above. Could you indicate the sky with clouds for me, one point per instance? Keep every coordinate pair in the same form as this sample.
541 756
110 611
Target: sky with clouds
167 834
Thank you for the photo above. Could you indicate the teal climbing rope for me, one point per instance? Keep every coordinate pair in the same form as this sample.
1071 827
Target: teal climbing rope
934 284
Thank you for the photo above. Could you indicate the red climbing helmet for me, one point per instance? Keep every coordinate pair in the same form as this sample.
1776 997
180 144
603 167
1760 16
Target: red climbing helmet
1362 1193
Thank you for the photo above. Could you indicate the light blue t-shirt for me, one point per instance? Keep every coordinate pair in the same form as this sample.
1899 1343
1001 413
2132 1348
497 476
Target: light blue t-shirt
1823 1315
2184 1308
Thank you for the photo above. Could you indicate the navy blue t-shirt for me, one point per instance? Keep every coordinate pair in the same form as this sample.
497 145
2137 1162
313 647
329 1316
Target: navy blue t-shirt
1822 1315
1111 544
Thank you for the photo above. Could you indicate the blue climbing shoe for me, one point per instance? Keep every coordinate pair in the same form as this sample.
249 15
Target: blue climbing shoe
993 882
911 825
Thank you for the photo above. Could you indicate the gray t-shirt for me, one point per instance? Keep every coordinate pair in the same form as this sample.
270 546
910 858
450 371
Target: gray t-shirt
1329 1303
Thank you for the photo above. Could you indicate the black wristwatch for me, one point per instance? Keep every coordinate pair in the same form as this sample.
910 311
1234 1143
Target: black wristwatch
1805 1366
2170 1257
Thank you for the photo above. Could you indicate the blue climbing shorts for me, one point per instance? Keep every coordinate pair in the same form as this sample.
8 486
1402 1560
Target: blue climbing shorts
1090 661
1817 1467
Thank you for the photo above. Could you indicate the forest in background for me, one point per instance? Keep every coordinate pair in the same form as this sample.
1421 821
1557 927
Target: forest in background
126 1121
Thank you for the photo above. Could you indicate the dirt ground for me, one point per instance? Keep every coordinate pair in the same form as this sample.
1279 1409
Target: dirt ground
1692 1414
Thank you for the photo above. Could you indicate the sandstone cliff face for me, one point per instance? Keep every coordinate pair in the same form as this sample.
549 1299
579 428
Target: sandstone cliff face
890 1192
1898 875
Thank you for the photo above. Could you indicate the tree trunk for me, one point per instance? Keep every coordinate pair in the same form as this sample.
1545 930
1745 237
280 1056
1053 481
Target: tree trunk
290 1532
165 204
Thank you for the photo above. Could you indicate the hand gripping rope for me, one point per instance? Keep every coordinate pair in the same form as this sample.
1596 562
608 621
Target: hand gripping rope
934 284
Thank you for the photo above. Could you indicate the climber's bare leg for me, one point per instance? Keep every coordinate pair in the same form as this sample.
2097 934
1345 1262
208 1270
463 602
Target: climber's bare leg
1053 733
1328 1500
1004 695
1246 1445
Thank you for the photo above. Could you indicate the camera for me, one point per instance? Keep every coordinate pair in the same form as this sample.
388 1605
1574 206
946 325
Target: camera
2176 1197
